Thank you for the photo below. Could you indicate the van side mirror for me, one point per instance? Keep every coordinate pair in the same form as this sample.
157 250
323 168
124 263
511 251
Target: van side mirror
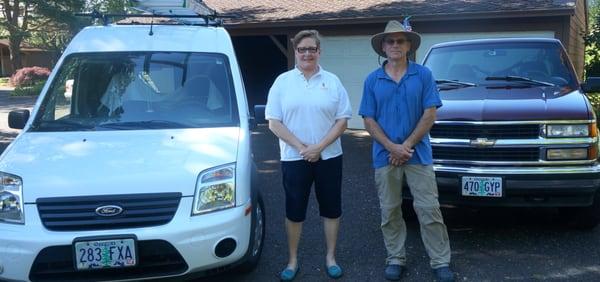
18 118
591 84
259 114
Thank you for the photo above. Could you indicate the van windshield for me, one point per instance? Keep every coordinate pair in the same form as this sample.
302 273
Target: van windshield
539 63
139 90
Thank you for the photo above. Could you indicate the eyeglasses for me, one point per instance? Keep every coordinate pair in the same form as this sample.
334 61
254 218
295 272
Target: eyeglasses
400 41
310 50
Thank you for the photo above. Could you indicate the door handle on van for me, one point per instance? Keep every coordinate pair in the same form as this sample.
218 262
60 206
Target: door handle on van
18 118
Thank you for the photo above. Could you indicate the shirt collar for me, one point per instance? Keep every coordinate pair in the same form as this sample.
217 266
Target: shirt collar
411 69
299 72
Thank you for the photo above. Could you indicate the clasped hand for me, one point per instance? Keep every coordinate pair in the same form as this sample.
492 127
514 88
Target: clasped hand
311 153
399 154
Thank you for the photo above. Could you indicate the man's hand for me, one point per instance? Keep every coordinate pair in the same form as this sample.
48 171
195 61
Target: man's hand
399 154
311 153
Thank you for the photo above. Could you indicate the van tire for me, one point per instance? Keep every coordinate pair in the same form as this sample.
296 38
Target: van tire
258 229
585 218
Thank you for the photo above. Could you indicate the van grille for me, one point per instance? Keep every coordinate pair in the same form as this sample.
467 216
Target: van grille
79 213
486 154
489 131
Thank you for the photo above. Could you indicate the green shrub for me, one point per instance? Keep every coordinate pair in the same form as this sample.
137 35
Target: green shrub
32 90
4 81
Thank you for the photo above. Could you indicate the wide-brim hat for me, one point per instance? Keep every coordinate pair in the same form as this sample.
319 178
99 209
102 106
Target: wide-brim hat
391 28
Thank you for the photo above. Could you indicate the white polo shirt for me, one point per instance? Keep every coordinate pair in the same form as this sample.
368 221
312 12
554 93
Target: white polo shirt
308 108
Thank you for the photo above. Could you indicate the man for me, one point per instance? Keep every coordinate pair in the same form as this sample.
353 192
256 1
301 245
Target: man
398 107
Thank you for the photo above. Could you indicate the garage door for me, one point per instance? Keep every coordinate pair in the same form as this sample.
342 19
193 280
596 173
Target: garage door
351 58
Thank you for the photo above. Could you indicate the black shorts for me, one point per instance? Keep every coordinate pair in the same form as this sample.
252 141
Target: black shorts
298 178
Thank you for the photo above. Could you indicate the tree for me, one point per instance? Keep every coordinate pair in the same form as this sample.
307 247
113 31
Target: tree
21 18
592 40
47 24
16 17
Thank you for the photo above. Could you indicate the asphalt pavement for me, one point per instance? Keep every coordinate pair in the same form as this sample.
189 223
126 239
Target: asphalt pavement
487 244
492 244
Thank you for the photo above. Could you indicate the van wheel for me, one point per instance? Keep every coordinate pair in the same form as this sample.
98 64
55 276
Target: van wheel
408 211
257 237
583 217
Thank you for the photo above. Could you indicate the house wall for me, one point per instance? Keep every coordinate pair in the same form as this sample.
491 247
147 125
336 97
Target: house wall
574 42
29 59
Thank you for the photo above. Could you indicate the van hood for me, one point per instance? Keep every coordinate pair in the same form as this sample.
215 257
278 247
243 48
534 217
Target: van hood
512 104
60 164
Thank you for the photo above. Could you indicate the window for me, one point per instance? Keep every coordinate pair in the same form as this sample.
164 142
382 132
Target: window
139 90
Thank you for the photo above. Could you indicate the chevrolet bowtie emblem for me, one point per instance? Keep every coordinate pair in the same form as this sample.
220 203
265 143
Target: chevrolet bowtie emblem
482 142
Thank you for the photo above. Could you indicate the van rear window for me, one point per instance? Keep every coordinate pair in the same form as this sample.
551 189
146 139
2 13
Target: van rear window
139 90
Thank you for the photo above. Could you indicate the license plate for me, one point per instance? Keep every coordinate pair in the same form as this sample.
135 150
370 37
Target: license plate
115 253
482 186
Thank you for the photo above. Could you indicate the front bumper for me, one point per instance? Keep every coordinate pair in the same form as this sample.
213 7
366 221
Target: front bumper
523 186
193 237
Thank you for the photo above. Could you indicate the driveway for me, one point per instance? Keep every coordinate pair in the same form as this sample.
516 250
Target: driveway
487 244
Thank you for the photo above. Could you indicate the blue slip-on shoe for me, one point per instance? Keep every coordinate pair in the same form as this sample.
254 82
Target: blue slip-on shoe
334 271
443 274
393 272
288 274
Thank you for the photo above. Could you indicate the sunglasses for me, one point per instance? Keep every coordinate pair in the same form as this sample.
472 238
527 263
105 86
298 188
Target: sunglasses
310 50
400 41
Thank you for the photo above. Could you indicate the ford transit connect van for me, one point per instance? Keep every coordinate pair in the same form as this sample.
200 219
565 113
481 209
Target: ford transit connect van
144 170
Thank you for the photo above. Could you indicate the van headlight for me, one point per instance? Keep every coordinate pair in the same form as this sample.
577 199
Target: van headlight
568 130
215 190
11 198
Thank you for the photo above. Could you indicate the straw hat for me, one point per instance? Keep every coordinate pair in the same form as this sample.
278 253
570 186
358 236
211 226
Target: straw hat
395 27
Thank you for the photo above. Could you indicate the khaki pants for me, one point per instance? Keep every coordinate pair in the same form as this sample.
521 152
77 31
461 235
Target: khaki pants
421 181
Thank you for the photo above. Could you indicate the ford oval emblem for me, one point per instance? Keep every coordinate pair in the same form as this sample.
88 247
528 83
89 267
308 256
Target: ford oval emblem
109 210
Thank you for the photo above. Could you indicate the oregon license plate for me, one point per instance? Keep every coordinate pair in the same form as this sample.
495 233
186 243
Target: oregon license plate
481 186
113 253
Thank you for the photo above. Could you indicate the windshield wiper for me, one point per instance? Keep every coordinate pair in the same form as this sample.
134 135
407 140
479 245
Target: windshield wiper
448 81
61 124
447 84
146 124
519 79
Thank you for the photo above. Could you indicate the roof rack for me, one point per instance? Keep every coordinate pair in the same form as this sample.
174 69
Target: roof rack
182 14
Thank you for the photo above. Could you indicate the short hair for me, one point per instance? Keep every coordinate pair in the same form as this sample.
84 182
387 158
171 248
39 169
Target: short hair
306 34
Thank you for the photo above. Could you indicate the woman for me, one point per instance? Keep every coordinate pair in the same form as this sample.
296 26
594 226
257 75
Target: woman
308 109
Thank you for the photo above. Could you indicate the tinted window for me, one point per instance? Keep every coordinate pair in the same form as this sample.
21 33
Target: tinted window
141 90
474 62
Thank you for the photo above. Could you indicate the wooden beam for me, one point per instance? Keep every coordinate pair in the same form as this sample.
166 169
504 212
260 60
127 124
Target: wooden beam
283 50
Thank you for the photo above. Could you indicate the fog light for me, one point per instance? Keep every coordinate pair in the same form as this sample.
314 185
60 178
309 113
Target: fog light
567 154
225 247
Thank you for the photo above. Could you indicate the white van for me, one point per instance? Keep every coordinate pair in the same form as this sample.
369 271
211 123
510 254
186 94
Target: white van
143 171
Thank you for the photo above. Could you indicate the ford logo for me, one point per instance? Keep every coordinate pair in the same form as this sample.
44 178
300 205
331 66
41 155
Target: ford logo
109 210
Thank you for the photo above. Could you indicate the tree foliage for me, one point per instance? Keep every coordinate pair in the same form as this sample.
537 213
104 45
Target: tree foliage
592 40
47 24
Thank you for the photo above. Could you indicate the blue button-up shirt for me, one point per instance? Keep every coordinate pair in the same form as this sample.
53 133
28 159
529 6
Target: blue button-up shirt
398 107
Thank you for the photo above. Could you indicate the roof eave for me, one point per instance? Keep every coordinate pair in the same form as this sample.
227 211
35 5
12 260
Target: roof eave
417 18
